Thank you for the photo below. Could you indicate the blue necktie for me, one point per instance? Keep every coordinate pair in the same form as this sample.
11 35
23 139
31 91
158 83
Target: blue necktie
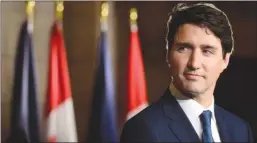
205 118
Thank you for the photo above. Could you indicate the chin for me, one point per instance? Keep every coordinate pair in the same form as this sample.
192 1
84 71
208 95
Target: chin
193 90
193 93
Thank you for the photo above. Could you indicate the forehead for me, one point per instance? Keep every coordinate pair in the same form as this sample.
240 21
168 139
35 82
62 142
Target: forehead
197 35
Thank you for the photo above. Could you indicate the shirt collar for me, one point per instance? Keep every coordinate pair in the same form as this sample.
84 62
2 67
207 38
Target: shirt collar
191 107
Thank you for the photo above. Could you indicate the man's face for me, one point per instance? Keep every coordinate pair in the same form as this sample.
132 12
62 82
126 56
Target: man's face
196 59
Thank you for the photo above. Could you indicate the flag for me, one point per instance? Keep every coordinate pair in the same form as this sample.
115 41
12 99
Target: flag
60 122
24 115
137 98
102 125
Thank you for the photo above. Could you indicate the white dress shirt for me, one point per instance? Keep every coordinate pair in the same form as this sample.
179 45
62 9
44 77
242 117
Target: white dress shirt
193 110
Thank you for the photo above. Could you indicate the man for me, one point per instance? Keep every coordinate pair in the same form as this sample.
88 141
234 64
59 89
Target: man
199 44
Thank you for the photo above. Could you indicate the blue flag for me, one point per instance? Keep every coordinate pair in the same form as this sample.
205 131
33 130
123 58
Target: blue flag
102 125
24 116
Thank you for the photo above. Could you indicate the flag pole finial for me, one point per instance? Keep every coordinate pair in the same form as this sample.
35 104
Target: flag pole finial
104 11
104 16
30 7
59 10
133 15
30 14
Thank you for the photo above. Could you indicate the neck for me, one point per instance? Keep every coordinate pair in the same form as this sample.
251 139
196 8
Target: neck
205 99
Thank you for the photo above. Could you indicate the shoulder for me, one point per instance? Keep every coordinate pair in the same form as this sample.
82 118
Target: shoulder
238 127
147 116
141 126
234 119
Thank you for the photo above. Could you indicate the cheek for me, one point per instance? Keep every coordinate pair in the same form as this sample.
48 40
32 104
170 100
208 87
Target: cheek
178 64
214 70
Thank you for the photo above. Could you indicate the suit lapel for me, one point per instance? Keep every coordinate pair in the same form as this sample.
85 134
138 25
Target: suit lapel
179 123
222 125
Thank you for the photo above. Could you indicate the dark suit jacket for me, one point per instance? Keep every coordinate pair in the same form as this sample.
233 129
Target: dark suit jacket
165 121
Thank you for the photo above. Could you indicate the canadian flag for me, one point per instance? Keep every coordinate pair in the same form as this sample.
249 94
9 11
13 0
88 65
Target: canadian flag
60 122
137 98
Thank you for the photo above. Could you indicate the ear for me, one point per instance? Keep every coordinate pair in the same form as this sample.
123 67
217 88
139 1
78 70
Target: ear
226 60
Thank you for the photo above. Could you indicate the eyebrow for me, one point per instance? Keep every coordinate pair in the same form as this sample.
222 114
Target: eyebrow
183 44
189 45
205 46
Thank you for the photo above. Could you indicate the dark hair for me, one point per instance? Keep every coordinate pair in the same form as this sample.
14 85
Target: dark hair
201 14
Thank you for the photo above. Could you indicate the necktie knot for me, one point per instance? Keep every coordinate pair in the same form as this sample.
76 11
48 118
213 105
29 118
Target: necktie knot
205 118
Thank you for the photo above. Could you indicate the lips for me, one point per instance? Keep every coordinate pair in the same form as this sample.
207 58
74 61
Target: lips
192 76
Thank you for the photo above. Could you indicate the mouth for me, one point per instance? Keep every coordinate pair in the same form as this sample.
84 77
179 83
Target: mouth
192 76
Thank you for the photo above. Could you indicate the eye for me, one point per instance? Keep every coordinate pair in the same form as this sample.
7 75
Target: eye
182 49
207 52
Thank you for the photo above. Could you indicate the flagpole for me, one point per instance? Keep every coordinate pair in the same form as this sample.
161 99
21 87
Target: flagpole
103 124
24 117
137 94
60 116
30 14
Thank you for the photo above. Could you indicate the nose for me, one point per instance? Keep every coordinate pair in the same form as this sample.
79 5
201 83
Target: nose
194 61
